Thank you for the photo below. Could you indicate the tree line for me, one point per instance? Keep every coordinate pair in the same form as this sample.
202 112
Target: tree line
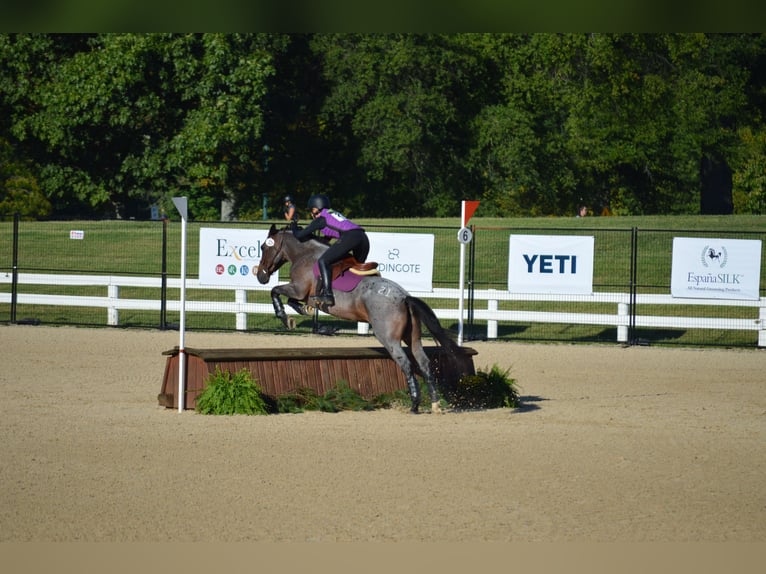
388 125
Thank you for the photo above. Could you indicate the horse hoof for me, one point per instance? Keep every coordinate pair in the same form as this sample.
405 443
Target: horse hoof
436 408
414 411
290 323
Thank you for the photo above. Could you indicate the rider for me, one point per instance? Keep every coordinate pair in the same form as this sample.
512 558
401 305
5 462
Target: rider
351 239
289 209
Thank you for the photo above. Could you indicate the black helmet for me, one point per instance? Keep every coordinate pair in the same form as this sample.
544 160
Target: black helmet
319 201
288 198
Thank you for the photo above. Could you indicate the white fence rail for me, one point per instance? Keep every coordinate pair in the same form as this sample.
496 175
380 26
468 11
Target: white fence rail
620 319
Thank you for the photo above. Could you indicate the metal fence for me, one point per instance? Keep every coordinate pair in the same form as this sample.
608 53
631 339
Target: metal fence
126 273
632 270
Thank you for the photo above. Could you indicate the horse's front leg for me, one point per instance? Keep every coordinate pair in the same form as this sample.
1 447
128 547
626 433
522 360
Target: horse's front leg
279 308
300 306
294 295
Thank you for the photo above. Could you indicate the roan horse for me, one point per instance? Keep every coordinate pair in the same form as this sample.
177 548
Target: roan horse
393 314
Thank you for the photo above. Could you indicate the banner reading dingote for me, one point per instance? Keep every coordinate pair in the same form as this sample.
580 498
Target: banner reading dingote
710 268
406 258
230 257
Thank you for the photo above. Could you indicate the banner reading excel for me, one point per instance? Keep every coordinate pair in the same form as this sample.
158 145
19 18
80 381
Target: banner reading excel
705 268
230 257
551 264
406 258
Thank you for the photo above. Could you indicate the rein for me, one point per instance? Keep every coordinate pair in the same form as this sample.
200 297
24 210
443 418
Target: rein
279 258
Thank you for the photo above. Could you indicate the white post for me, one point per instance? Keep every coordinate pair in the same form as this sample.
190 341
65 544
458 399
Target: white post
622 330
181 204
113 314
240 298
762 330
492 323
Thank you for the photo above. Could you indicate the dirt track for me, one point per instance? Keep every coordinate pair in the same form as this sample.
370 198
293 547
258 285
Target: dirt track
616 444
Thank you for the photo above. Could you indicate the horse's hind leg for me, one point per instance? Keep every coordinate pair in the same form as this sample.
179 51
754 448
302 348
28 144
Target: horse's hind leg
401 359
414 387
415 344
424 364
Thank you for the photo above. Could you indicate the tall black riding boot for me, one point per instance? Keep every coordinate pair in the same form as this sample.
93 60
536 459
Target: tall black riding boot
325 297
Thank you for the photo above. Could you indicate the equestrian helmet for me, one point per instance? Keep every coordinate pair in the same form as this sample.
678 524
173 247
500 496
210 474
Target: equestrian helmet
288 198
319 201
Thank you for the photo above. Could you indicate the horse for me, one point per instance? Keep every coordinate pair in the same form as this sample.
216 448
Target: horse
394 315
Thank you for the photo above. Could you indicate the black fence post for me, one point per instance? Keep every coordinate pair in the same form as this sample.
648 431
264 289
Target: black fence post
15 273
471 280
632 335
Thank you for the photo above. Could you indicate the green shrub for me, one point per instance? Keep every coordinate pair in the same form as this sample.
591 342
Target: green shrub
340 398
344 398
226 394
485 390
230 394
396 399
295 402
304 399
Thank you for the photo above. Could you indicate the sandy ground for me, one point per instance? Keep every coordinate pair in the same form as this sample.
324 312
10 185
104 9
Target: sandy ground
615 445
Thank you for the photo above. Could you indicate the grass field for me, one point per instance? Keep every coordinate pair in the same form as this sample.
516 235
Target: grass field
136 248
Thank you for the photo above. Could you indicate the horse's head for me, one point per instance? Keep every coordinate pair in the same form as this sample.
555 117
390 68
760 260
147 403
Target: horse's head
272 255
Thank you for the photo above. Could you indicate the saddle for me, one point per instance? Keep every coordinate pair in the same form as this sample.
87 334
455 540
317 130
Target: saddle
351 264
343 281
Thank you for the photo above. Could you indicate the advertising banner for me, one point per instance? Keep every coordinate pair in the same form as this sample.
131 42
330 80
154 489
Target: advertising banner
550 264
705 268
229 257
406 258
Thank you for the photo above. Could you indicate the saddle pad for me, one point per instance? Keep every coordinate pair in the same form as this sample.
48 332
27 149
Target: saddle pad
346 281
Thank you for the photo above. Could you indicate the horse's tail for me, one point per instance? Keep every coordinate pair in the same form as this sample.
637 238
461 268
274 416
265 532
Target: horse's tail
422 311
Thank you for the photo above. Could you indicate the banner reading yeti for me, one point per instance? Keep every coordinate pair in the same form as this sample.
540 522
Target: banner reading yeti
230 257
551 264
705 268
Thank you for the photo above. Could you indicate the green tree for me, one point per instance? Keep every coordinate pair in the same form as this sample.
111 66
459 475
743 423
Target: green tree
623 121
19 190
387 124
406 101
519 155
136 118
26 61
301 154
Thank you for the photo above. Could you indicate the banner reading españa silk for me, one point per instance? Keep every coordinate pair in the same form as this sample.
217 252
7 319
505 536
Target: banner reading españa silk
551 264
710 268
230 257
406 258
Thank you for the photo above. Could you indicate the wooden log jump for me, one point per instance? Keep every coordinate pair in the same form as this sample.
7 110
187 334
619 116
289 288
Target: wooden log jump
368 370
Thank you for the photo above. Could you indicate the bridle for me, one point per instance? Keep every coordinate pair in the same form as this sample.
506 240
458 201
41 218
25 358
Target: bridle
279 258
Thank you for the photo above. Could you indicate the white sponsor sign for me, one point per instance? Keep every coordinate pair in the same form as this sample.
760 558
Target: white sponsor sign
550 264
406 258
705 268
230 257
